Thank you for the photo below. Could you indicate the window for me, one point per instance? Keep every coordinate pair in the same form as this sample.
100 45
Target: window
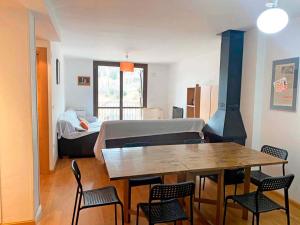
119 95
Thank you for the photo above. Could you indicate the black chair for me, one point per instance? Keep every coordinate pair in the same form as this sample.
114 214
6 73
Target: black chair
164 205
257 175
257 202
94 198
231 177
134 182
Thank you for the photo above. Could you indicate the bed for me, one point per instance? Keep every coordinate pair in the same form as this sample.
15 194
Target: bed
73 140
115 134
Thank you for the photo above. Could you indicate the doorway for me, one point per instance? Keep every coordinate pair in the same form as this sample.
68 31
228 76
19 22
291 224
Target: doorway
43 110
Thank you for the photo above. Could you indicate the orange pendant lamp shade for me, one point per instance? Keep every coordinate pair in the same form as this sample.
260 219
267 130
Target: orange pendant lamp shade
126 67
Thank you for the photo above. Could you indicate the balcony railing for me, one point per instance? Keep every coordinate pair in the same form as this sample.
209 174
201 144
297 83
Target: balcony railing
111 111
105 114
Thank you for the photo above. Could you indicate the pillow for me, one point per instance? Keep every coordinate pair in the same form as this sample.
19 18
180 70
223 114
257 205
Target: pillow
71 117
84 120
84 124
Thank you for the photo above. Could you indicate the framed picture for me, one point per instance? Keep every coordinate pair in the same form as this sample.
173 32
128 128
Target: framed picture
84 81
57 71
284 84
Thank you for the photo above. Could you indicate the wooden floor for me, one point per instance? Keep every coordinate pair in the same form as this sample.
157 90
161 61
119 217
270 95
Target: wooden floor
58 194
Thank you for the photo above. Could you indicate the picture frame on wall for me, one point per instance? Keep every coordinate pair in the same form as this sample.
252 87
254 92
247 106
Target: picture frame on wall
284 87
57 72
84 81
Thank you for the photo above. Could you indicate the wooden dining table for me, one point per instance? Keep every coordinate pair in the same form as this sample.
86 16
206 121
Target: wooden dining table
186 161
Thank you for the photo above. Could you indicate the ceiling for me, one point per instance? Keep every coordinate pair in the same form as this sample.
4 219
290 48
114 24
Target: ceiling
161 31
46 26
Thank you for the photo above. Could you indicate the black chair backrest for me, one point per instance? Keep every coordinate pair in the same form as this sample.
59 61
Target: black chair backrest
276 183
76 173
172 191
136 144
276 152
177 112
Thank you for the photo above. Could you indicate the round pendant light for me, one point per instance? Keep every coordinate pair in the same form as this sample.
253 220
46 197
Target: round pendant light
273 19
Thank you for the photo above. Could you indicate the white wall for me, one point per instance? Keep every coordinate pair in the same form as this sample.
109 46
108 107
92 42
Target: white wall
80 97
57 97
285 124
252 85
158 88
278 128
202 69
17 131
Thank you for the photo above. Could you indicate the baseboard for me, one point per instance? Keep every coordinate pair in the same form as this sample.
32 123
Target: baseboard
29 222
293 202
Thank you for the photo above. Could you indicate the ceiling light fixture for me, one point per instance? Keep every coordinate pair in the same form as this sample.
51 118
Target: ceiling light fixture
127 66
273 19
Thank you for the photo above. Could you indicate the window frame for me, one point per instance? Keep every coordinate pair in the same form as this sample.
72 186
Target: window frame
117 64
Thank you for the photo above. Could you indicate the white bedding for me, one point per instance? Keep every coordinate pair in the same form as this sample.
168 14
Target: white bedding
68 126
137 128
66 130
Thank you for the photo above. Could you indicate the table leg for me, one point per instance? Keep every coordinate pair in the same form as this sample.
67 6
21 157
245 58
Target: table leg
181 177
220 198
189 177
126 201
246 189
199 190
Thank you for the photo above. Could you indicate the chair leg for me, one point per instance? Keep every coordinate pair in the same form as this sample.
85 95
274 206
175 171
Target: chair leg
77 217
257 219
235 189
288 217
224 191
116 218
137 214
129 200
78 210
199 192
75 206
225 210
252 218
191 211
287 205
122 212
203 183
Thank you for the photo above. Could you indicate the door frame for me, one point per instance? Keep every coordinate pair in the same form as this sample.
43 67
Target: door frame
44 151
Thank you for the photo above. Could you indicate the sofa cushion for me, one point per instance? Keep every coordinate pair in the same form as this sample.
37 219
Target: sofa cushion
84 124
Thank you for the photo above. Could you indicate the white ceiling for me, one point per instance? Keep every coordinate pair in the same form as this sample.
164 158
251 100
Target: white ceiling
152 30
45 21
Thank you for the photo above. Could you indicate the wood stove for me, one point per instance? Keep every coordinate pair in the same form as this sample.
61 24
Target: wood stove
227 125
